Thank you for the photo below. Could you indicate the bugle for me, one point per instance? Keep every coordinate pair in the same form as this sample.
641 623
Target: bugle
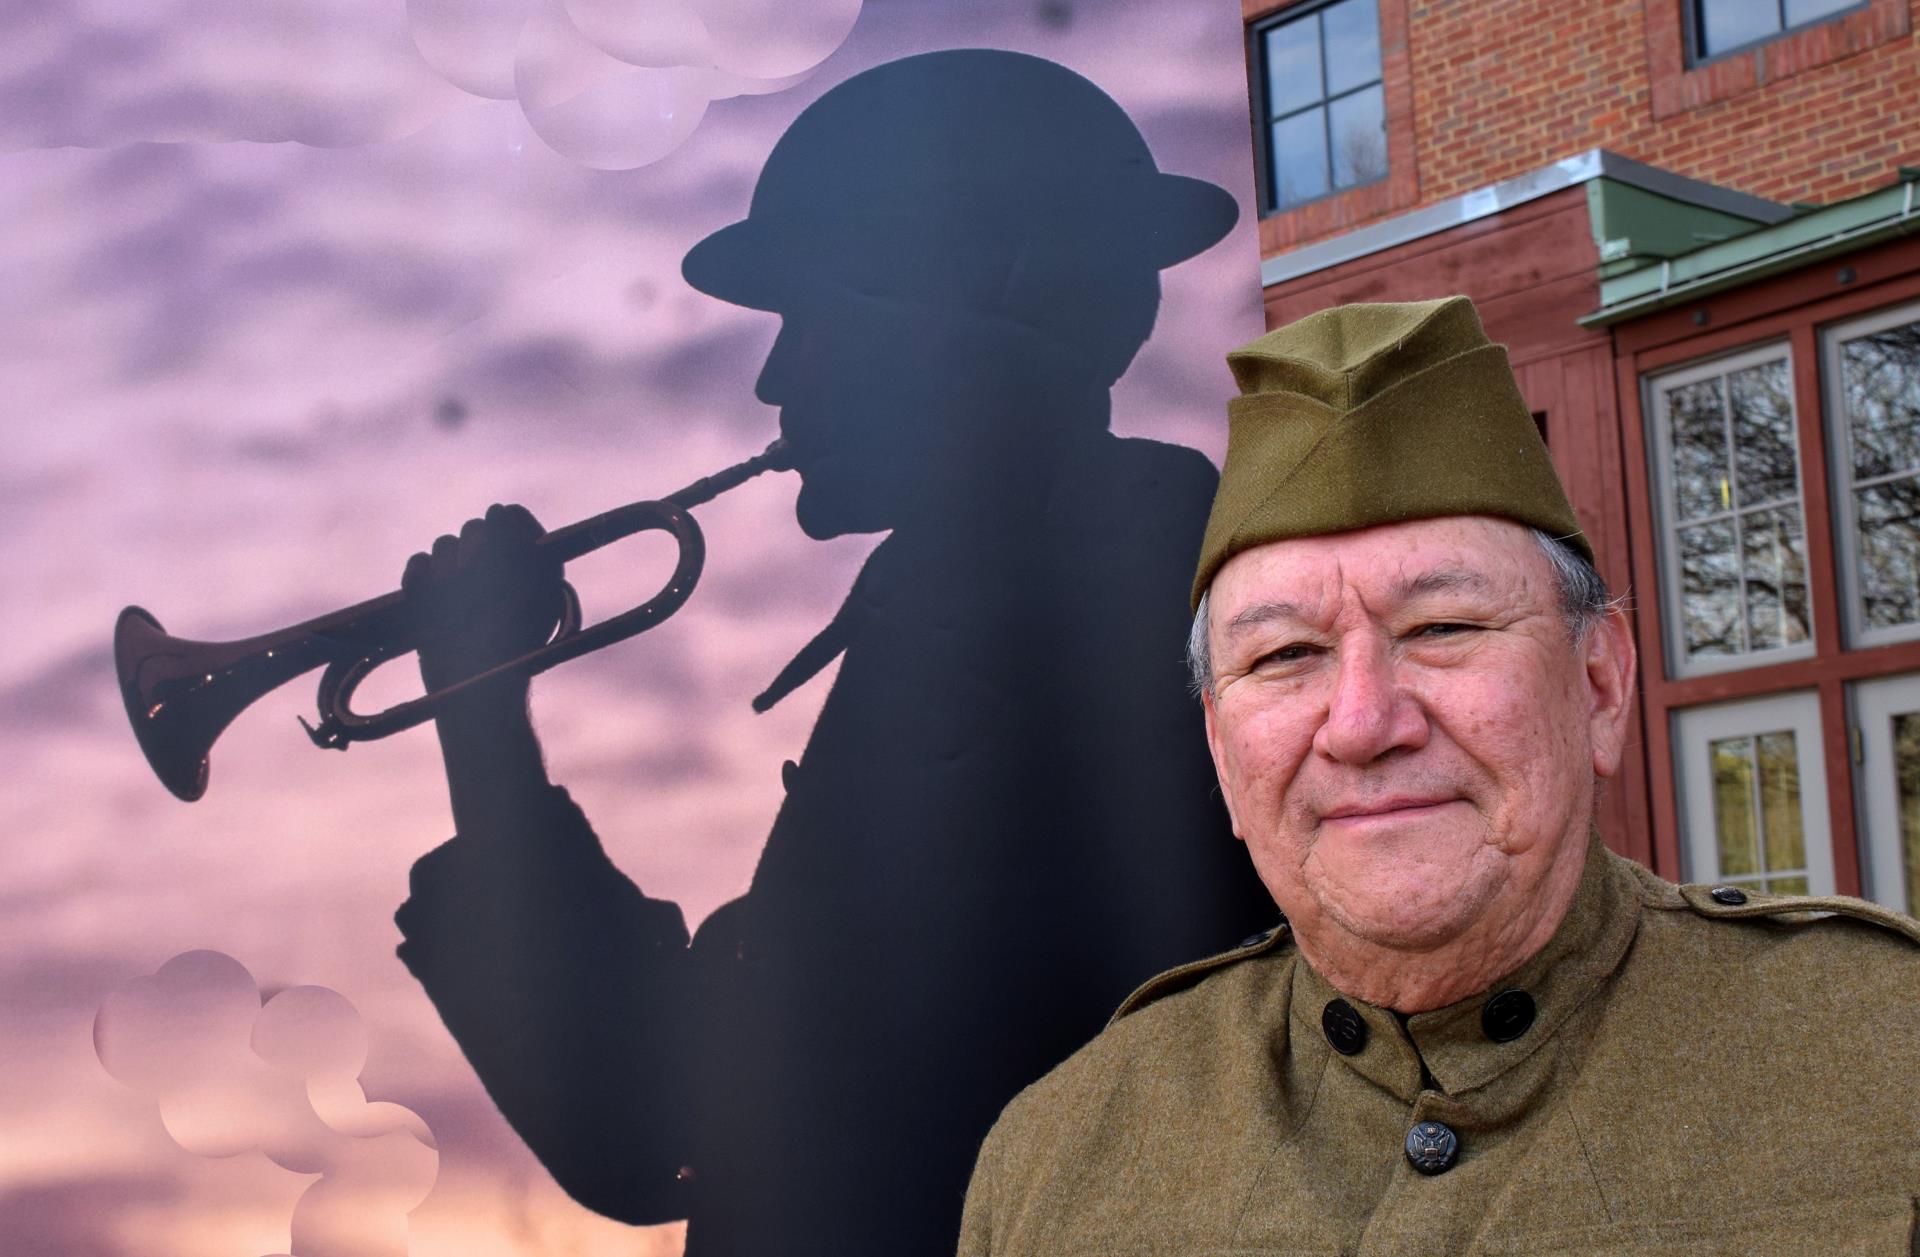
181 694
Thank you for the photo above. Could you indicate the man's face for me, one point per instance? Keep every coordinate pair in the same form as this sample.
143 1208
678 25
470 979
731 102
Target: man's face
886 405
827 377
901 409
1406 734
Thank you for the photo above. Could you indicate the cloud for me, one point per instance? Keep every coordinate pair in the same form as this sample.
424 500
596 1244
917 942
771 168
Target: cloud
44 985
322 72
77 1217
618 84
391 282
72 691
611 84
534 375
232 1076
169 251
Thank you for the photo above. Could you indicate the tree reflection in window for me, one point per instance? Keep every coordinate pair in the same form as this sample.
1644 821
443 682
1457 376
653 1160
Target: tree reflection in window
1906 758
1325 106
1733 487
1880 387
1759 836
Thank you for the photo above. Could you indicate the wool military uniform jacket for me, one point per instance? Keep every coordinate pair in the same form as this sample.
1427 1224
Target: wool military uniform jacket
1698 1075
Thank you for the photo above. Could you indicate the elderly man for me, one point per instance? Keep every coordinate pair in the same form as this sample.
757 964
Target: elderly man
1476 1030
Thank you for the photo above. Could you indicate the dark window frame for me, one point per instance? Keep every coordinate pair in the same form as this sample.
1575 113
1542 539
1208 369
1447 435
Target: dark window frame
1694 23
1263 121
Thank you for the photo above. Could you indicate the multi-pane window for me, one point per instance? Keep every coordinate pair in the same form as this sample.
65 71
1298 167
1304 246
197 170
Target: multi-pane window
1721 26
1750 775
1319 95
1887 712
1873 406
1753 793
1733 533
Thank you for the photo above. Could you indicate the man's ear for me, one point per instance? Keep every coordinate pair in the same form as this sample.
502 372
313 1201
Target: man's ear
1216 749
1611 666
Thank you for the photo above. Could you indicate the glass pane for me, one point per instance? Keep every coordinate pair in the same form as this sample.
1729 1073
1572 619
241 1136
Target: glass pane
1799 11
1701 483
1765 469
1786 842
1352 33
1292 53
1710 590
1774 551
1359 138
1888 519
1727 24
1788 885
1881 380
1300 157
1733 827
1906 765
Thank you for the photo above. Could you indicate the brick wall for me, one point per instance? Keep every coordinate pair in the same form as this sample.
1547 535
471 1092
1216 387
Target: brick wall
1502 87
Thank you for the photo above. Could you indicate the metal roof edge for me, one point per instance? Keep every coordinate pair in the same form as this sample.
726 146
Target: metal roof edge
1495 198
1832 230
1692 191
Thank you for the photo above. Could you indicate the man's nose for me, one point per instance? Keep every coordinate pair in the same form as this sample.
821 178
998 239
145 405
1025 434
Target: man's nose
776 373
1369 713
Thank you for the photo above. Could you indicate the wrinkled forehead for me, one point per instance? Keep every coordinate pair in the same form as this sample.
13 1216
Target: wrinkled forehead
1384 567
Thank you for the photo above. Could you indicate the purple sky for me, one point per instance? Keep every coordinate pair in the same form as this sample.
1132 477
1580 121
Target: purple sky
256 253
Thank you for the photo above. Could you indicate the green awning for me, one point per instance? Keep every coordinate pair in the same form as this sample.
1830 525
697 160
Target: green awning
1641 270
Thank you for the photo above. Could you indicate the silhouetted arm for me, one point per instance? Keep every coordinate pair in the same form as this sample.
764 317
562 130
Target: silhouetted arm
492 756
566 987
567 990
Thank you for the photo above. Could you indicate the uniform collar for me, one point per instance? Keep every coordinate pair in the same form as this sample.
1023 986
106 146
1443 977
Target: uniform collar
1450 1048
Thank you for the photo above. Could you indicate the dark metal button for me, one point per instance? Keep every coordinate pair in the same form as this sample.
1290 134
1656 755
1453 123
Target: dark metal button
1345 1028
1507 1015
1254 940
1732 896
1432 1147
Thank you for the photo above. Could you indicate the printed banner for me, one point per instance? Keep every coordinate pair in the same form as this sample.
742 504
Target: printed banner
755 921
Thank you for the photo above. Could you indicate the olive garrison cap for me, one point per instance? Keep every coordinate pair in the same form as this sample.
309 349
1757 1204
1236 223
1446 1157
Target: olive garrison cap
1374 414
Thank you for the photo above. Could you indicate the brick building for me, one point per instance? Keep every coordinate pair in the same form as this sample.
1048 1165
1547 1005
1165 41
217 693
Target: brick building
1695 225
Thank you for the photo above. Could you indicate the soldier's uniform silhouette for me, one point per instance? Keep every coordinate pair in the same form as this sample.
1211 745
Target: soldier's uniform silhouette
1005 816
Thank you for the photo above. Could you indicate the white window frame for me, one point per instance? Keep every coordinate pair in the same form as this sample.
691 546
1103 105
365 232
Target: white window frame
1840 473
1654 388
1695 729
1874 704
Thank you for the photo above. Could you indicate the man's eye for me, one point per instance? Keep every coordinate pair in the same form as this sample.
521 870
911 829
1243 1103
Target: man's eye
1443 629
1286 654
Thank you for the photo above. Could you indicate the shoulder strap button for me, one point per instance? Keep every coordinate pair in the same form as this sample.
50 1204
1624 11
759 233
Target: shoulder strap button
1732 896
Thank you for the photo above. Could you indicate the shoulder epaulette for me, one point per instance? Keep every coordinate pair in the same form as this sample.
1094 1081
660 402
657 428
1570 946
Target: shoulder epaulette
1729 903
1182 976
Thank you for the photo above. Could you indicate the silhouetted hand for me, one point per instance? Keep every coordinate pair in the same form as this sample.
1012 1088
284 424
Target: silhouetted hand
486 596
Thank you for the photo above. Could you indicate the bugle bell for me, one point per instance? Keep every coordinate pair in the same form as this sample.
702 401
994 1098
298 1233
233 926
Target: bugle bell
181 694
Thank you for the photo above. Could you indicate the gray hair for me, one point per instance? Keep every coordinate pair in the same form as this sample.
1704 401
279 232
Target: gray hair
1584 601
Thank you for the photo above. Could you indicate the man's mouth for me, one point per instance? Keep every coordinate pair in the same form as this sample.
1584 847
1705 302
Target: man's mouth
804 453
1393 808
